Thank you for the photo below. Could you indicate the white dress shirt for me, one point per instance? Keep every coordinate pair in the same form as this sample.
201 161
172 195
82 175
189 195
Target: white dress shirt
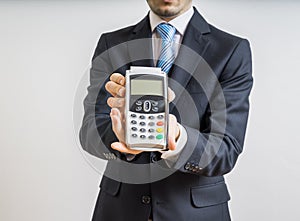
180 23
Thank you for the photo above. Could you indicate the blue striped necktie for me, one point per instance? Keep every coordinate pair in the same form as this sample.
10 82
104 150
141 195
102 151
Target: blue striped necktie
167 55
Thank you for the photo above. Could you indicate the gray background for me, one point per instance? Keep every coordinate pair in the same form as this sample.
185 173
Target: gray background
45 50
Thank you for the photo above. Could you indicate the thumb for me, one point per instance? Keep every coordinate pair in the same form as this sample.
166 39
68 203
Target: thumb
171 95
172 132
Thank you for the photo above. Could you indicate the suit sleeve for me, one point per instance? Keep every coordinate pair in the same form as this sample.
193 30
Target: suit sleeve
213 151
96 133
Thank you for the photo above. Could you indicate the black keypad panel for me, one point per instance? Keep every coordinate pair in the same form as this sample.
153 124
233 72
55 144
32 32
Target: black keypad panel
146 104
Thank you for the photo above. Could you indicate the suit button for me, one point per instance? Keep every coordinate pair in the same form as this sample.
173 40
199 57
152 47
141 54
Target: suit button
153 158
146 199
187 166
195 170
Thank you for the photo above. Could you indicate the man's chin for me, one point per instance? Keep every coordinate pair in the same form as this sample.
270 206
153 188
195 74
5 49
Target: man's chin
167 13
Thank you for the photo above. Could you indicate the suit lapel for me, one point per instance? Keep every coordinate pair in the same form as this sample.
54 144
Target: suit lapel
194 45
140 44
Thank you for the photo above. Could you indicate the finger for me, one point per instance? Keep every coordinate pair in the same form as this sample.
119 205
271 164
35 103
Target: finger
172 132
121 147
116 112
117 125
114 102
115 89
120 106
118 78
171 95
116 122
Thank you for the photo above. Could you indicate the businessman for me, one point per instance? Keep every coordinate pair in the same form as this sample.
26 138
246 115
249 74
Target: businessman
210 79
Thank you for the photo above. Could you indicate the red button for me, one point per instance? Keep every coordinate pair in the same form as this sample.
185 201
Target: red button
160 123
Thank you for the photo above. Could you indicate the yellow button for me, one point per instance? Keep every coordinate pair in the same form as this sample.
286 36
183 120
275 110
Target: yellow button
159 130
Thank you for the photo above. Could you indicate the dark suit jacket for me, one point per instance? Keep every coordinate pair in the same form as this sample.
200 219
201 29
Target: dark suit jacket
195 190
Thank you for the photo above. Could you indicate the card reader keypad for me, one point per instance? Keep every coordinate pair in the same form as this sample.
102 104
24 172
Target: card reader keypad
147 127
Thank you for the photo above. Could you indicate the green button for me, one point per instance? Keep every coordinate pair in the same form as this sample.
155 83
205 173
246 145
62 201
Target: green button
159 136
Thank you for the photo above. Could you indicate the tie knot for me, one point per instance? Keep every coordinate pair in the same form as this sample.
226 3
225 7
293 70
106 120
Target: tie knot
166 31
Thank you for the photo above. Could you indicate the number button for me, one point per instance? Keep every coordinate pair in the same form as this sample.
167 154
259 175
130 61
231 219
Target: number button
143 130
142 136
151 117
142 117
151 124
134 129
151 130
133 115
134 135
133 122
142 123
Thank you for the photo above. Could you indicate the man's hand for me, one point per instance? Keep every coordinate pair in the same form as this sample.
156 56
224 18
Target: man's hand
116 87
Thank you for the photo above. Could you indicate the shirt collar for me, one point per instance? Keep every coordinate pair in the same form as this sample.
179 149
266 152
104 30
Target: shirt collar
180 22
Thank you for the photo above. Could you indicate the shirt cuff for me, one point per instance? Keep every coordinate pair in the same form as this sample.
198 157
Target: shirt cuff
172 155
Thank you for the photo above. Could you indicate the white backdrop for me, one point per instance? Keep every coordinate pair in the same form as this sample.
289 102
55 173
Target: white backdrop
45 49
